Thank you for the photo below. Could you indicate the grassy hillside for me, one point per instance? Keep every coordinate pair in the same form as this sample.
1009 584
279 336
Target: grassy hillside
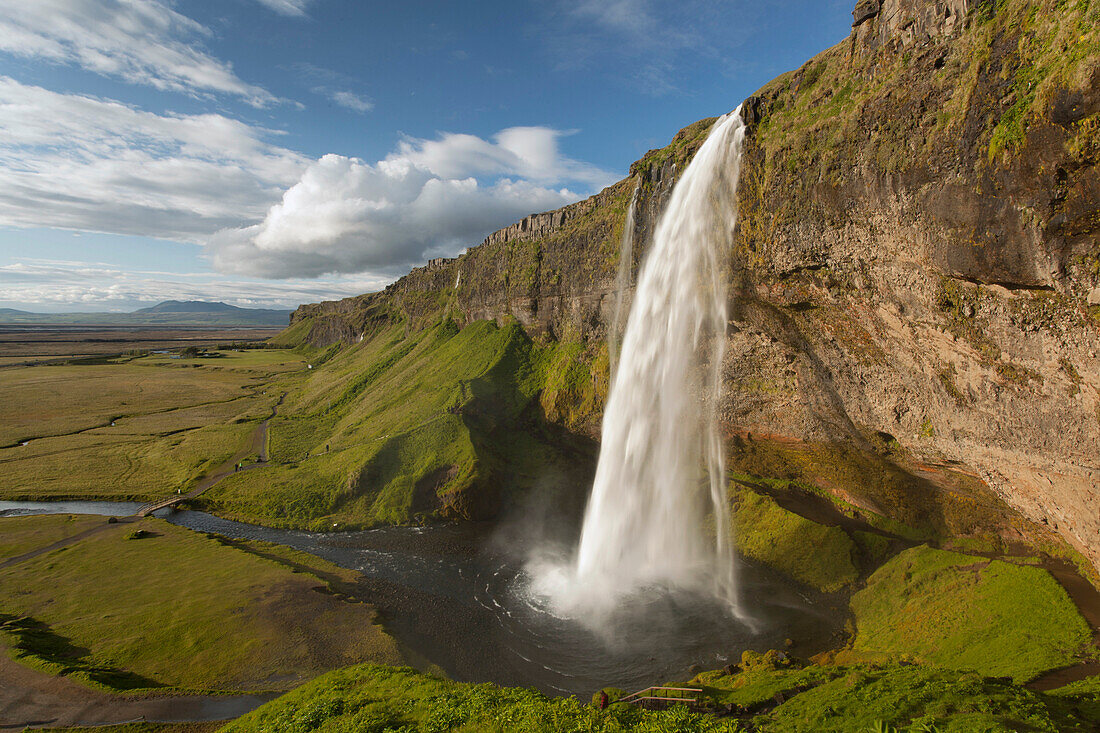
407 423
965 612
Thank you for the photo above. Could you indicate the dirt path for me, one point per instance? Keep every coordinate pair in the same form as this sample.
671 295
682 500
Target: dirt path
257 445
1087 599
33 699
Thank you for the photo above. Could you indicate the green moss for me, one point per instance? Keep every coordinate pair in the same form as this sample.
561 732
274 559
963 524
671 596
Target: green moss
768 697
812 553
370 698
967 612
918 698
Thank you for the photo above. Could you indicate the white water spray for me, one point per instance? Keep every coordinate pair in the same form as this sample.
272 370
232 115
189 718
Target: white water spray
658 515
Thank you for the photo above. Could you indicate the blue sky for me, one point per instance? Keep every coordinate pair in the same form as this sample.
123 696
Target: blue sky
274 152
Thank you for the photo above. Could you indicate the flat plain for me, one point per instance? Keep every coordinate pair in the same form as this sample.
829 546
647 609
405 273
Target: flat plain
148 604
131 428
29 344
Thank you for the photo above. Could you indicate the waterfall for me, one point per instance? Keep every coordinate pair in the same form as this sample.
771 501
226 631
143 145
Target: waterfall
622 282
658 516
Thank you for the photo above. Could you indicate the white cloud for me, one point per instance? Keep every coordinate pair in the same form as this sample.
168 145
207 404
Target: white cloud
424 200
345 215
83 163
52 285
351 100
527 152
78 162
141 41
287 7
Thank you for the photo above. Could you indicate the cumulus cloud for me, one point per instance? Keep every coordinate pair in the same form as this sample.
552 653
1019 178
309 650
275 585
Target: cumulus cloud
84 163
51 285
345 215
141 41
424 200
79 162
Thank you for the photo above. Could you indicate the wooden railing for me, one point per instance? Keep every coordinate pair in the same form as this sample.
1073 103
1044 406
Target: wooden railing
664 696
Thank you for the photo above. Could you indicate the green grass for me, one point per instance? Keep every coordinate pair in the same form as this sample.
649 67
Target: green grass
372 699
966 612
408 424
57 400
117 466
20 535
180 610
171 423
917 698
269 361
812 553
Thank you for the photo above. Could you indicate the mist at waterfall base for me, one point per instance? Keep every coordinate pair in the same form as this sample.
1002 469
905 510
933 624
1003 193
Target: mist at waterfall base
656 529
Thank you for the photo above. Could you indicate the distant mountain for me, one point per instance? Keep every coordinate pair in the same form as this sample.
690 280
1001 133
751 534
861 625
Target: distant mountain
168 313
200 306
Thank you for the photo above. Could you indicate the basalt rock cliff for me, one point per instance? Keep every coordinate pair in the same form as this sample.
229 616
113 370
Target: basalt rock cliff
916 272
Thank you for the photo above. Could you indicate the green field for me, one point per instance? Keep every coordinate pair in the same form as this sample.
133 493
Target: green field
173 608
26 534
173 420
58 400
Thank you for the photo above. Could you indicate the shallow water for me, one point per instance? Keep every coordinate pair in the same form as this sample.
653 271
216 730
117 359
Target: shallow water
450 596
103 508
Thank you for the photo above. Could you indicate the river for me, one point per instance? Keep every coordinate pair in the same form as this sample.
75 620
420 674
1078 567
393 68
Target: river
460 599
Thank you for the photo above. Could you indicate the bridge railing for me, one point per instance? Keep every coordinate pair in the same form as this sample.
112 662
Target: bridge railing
664 695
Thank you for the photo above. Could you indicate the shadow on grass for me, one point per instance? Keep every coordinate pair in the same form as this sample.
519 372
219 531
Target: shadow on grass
36 645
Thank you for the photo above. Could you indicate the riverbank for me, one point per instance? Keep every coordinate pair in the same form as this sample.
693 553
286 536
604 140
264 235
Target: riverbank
153 610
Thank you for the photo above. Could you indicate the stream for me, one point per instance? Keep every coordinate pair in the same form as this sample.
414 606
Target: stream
458 598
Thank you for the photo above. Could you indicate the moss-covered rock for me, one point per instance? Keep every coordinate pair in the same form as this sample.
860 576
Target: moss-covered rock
968 612
814 554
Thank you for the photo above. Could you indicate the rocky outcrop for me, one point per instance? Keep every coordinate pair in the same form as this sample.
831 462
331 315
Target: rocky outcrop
916 319
879 23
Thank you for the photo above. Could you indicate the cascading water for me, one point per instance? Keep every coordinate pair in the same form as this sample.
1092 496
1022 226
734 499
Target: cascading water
622 282
658 516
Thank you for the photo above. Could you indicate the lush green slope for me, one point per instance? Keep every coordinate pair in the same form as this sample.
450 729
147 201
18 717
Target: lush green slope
968 612
765 697
412 423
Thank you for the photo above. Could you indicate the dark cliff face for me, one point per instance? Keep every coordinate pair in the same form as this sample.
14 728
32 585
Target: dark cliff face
916 273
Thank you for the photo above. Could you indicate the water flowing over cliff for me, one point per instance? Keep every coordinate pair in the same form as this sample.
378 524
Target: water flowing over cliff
647 519
915 315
